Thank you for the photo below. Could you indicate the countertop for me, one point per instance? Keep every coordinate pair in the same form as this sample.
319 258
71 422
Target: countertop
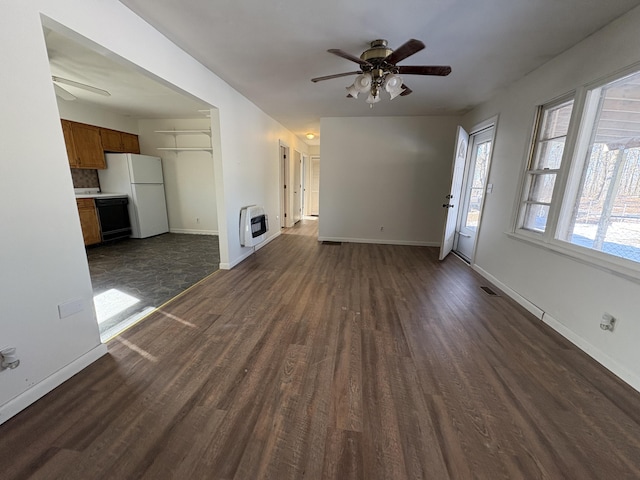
100 195
96 193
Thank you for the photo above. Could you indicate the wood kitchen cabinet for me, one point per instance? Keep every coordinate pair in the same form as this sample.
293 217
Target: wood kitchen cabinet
68 140
89 221
84 145
121 142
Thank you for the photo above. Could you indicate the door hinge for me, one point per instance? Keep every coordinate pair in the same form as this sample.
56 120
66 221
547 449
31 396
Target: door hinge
285 215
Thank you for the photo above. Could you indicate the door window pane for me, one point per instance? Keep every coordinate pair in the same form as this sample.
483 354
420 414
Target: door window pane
473 212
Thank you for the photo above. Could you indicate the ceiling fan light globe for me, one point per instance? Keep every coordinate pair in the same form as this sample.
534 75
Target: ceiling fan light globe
353 91
373 98
393 82
362 83
395 93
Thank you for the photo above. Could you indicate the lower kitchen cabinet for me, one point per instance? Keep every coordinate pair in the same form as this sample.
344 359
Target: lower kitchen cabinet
89 221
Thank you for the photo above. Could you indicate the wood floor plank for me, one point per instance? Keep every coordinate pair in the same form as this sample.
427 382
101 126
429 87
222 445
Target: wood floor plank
347 361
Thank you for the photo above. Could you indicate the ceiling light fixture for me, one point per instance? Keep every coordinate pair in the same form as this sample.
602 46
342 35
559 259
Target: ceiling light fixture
374 82
379 70
310 136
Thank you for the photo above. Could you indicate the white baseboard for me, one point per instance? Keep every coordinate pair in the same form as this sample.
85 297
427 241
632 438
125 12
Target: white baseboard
244 256
379 241
22 401
598 355
193 232
531 307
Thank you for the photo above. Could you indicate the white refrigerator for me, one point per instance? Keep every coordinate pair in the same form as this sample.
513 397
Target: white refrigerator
140 177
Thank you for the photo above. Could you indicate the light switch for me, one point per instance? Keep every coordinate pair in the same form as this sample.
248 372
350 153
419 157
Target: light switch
70 308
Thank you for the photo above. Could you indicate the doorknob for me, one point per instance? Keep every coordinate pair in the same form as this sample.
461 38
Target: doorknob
447 205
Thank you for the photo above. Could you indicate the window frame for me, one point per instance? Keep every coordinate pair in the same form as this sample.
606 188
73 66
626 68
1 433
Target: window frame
577 96
565 189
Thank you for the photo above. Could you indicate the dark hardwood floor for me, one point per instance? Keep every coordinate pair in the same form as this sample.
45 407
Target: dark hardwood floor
348 361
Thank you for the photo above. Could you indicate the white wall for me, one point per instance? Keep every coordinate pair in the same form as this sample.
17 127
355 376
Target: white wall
572 295
189 182
392 172
43 258
77 112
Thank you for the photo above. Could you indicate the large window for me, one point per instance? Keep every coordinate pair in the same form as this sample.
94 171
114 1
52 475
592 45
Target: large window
587 194
552 125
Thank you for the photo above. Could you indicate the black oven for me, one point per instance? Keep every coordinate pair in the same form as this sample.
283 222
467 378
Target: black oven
114 217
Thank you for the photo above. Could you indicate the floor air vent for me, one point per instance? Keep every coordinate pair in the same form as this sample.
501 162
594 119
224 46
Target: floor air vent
329 242
488 291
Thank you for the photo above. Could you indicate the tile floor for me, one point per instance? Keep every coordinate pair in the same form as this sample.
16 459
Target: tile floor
131 277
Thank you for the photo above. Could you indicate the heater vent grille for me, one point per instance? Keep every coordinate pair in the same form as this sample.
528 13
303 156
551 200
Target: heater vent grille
490 292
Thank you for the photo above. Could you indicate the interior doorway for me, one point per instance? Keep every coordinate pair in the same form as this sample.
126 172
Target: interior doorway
284 178
297 186
314 187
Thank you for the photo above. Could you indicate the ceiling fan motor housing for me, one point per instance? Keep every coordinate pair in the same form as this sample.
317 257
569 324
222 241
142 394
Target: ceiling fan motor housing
378 52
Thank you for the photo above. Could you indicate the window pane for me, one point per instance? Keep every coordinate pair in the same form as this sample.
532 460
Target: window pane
606 213
549 154
542 188
473 212
535 217
482 162
555 122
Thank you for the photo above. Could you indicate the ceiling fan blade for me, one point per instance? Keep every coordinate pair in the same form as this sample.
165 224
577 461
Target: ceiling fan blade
405 50
405 90
438 70
72 83
348 56
62 93
337 75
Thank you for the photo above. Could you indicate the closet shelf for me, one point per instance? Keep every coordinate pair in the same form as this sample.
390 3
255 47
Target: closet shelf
186 149
176 133
185 132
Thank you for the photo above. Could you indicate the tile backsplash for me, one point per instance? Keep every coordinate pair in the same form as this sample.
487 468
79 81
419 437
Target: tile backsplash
85 178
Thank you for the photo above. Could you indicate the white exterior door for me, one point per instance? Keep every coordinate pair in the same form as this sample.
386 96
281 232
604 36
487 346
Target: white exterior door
453 198
474 191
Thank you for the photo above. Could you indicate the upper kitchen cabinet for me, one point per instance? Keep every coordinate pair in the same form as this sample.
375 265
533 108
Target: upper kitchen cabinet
68 140
120 142
84 145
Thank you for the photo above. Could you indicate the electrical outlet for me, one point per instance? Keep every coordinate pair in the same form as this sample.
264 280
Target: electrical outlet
607 322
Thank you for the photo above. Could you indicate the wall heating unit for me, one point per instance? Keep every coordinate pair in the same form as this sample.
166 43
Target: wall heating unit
254 225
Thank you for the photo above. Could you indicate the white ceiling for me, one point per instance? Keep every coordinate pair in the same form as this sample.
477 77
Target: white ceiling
133 94
269 50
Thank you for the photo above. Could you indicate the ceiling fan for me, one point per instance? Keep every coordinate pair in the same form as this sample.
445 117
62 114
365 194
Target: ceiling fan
379 70
66 95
